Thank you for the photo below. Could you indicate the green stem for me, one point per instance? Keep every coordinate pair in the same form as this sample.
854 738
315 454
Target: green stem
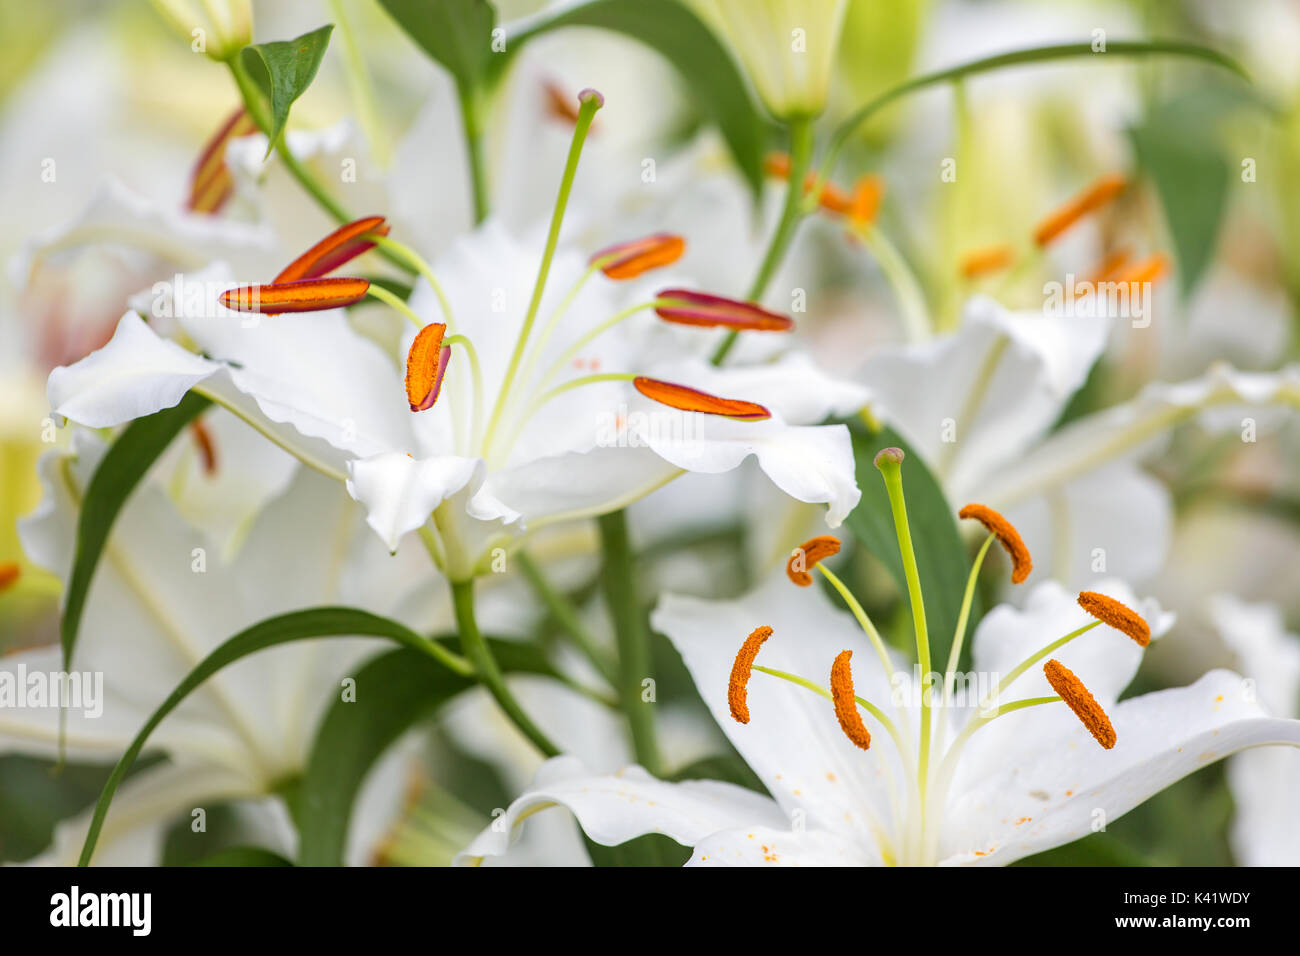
566 615
801 150
471 115
586 114
486 668
618 578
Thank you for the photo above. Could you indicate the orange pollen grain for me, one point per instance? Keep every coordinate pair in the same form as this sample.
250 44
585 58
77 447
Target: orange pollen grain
737 695
10 572
631 259
688 399
1021 563
1080 700
807 556
1091 199
1117 615
424 367
846 706
982 262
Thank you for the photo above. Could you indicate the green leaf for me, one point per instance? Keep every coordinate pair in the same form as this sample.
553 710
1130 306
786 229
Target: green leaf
1178 147
282 71
243 856
716 84
456 33
653 849
1043 54
393 692
274 631
120 470
941 558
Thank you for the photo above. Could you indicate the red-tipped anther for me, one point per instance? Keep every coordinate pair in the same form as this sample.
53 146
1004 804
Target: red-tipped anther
692 400
342 245
211 183
627 260
426 366
714 311
307 295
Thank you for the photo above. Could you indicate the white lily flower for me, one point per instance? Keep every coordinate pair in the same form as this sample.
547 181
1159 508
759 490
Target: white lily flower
1022 784
1265 830
514 445
977 405
151 617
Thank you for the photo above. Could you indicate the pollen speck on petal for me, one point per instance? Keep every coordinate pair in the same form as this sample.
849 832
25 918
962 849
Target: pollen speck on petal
737 688
1021 562
846 707
1080 700
426 365
688 399
1117 615
807 556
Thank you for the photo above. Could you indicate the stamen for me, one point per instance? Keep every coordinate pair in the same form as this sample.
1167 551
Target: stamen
868 192
559 103
1080 700
1110 266
1094 197
737 696
342 245
211 183
982 262
1147 270
306 295
808 555
1021 563
714 311
846 705
627 260
10 572
688 399
1117 615
426 365
207 449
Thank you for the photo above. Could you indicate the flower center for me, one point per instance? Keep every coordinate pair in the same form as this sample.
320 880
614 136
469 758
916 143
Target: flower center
916 835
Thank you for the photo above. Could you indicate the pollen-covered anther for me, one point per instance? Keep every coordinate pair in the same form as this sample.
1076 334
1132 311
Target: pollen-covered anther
305 295
10 572
627 260
846 705
1080 700
426 366
1091 199
737 688
685 307
211 183
686 399
986 260
1117 615
807 556
1150 269
207 447
1008 536
868 192
340 246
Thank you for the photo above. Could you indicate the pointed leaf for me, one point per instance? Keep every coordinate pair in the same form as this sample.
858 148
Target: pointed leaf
282 71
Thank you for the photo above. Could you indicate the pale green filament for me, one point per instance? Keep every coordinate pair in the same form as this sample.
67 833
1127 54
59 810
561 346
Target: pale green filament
419 265
559 364
959 635
393 301
476 373
538 404
1033 659
585 115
